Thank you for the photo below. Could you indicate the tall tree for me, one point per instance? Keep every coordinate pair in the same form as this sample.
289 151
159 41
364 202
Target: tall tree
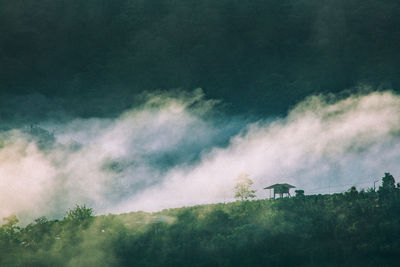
388 182
243 186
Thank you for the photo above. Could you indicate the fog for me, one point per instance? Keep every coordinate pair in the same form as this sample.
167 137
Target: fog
178 149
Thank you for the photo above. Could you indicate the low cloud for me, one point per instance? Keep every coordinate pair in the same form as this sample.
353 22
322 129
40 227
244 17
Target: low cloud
322 145
177 149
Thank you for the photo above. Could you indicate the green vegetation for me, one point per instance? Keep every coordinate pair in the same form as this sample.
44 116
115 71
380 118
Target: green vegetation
355 228
243 186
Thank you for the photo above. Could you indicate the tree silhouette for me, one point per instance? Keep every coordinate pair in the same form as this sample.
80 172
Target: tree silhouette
299 193
388 187
388 182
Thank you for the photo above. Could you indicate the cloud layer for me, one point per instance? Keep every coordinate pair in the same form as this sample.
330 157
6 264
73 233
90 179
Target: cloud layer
177 149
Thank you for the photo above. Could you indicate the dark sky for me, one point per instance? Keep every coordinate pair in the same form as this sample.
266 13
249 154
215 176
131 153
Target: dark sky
72 58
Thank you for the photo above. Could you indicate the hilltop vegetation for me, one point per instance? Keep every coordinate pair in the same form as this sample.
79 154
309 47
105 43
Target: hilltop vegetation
348 229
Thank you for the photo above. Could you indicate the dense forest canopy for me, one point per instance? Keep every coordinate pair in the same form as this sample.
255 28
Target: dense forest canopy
259 56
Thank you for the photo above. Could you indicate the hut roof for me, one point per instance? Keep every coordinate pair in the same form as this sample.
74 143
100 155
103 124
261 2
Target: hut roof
280 185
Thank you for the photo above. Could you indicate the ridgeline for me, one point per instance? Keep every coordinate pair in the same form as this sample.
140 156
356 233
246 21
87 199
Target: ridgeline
355 228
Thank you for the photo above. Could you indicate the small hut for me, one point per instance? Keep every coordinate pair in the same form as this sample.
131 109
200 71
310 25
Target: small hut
280 189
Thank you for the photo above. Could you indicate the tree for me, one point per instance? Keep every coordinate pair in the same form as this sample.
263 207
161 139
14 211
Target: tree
388 188
299 193
79 214
388 182
11 228
243 189
41 220
352 193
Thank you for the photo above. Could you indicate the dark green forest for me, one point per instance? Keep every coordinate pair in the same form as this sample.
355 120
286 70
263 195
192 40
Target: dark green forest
261 56
354 228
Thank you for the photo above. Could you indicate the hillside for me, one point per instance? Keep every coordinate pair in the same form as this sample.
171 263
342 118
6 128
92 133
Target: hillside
143 105
347 229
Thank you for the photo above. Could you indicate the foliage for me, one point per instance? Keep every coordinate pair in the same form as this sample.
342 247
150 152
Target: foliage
387 182
79 214
10 228
388 187
299 193
11 223
243 186
354 228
